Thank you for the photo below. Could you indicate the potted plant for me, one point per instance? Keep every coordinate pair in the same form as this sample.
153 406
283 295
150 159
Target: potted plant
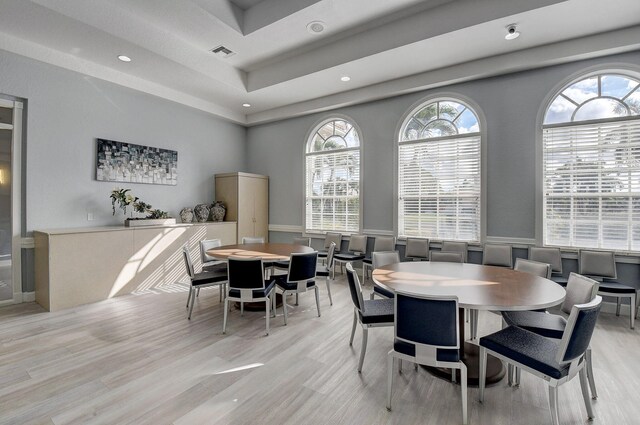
122 198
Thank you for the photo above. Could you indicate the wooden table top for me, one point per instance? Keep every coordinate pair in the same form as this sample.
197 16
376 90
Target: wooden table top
266 251
477 287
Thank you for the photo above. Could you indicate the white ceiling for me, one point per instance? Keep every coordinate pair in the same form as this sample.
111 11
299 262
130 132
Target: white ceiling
282 70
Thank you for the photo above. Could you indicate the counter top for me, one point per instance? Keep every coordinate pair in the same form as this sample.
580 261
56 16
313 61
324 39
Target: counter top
76 230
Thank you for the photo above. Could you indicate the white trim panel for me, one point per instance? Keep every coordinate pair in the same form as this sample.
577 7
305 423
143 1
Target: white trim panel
285 228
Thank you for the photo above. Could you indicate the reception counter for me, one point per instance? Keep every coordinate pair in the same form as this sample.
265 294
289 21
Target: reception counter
85 265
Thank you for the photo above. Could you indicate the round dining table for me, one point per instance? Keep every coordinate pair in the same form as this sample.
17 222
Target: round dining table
477 287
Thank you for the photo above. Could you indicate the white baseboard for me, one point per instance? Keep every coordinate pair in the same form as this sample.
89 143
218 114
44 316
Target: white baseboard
28 297
610 307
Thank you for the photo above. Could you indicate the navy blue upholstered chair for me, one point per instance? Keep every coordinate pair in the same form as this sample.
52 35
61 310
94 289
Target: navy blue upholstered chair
355 252
200 280
416 249
580 290
601 265
326 270
550 256
247 284
336 238
446 257
300 278
381 259
380 243
210 263
555 361
455 246
499 255
427 332
369 313
296 241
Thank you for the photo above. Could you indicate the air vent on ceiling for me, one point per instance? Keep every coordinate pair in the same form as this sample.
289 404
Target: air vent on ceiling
223 52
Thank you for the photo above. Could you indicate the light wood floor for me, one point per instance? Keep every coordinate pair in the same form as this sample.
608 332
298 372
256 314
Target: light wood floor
137 359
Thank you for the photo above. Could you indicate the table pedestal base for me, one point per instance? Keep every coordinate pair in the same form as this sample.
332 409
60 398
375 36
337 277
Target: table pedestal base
495 368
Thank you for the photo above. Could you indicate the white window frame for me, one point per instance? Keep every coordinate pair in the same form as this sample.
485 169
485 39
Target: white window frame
415 107
623 69
308 139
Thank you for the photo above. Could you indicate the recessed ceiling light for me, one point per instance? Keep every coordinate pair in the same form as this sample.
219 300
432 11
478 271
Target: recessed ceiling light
345 78
512 32
246 105
316 27
124 58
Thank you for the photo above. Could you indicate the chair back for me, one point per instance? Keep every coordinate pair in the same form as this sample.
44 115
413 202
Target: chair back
454 246
246 273
431 323
547 255
249 239
302 241
358 244
302 269
533 267
336 238
206 245
379 259
355 288
187 261
417 248
597 263
579 329
580 290
446 257
497 255
330 253
384 243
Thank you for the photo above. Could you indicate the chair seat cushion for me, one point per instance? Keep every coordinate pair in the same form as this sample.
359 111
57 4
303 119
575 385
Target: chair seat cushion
549 325
442 355
377 311
384 292
348 257
210 276
281 264
281 281
322 270
615 287
322 254
560 280
257 293
527 348
367 260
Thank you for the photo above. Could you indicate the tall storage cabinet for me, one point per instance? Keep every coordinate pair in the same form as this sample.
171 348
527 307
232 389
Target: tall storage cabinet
246 197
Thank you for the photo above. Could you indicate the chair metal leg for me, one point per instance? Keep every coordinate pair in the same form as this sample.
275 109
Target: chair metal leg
518 373
592 381
453 375
189 296
390 358
483 373
193 301
224 318
509 374
220 288
284 306
553 405
353 328
198 293
463 392
372 296
297 298
329 290
399 365
585 392
317 299
474 323
267 304
618 303
632 310
241 308
363 349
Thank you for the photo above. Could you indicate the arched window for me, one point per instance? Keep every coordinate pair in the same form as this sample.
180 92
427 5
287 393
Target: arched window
439 177
333 178
591 164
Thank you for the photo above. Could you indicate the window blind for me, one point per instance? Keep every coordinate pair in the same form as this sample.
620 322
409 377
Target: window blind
333 191
592 184
439 188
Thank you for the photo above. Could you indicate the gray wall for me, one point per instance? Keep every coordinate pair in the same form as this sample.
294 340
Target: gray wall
510 105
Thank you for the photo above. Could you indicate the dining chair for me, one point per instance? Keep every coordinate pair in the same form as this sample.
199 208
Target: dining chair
580 290
369 313
456 246
302 241
555 361
217 277
381 259
284 264
250 239
551 256
381 243
329 237
326 270
247 284
499 255
601 265
300 278
416 249
210 263
533 267
427 332
355 251
446 257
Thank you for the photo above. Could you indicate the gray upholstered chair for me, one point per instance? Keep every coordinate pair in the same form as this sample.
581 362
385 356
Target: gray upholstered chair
555 361
455 246
203 279
601 265
416 249
499 255
381 243
336 238
300 278
446 257
326 270
533 267
250 239
382 259
302 241
427 332
356 250
369 313
551 256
